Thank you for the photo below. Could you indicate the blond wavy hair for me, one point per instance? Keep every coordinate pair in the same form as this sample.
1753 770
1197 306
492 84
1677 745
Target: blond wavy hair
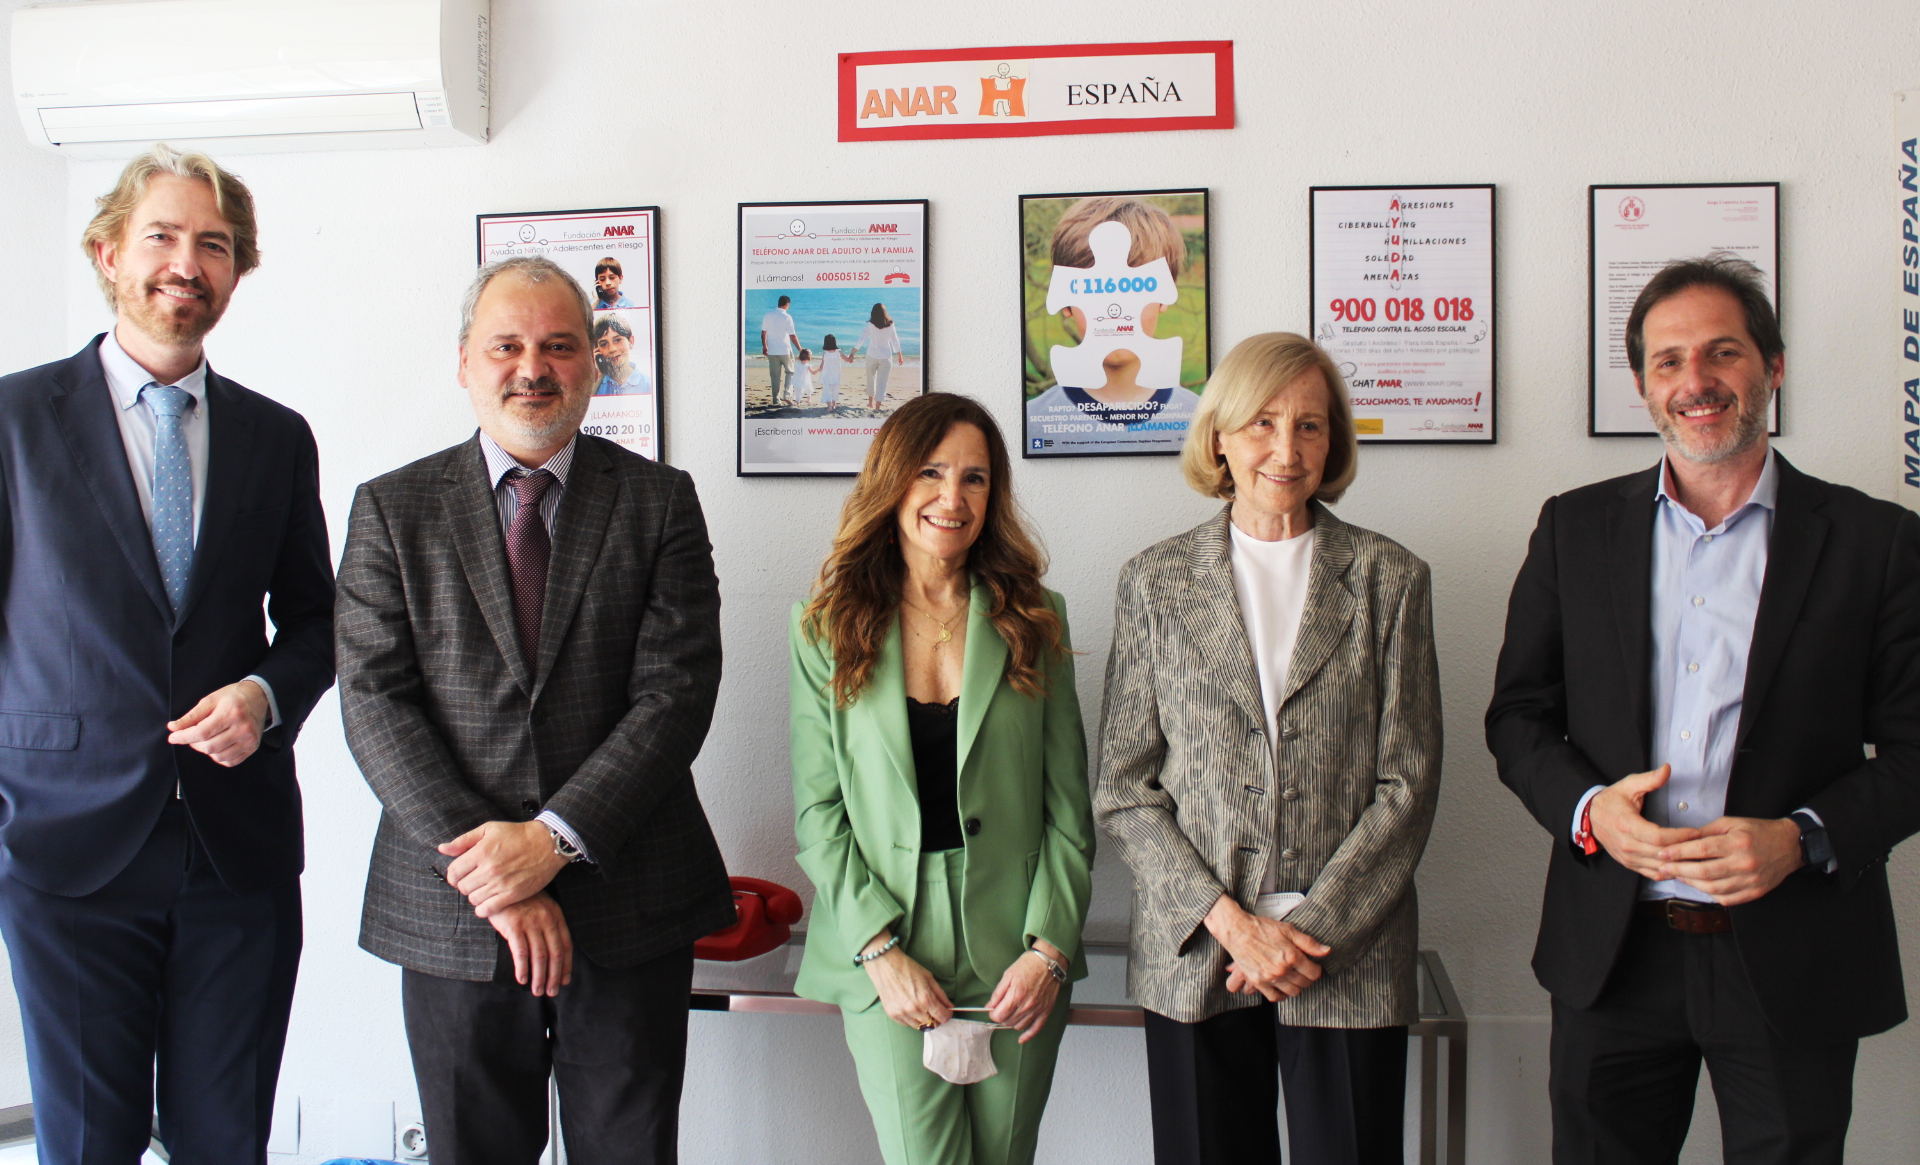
1241 386
230 196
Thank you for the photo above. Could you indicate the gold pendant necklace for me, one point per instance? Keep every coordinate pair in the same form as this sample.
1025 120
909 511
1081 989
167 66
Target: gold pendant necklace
946 628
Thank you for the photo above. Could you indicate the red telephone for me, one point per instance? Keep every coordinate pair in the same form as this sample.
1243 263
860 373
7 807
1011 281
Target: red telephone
767 912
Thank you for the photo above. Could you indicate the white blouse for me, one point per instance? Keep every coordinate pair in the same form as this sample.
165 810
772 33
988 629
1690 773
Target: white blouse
1270 581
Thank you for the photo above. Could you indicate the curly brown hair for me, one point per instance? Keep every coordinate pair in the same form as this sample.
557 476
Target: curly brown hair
859 588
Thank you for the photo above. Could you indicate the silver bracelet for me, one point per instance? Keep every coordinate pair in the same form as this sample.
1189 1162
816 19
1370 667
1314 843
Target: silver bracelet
870 956
1058 972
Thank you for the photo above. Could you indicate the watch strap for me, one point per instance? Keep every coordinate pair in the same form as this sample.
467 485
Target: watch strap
1816 849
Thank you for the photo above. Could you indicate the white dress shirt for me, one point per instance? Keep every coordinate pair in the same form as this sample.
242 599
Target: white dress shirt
125 379
499 464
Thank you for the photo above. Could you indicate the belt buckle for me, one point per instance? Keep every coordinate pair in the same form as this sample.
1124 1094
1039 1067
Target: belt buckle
1692 918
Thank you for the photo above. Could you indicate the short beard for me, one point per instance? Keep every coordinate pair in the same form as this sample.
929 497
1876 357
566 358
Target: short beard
175 327
564 420
1747 431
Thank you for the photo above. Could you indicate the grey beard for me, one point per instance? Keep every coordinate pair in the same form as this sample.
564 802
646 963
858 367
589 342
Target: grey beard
561 423
1752 427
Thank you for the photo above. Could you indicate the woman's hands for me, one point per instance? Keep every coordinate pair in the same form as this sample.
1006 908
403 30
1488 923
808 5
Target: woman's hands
1027 992
1274 958
907 990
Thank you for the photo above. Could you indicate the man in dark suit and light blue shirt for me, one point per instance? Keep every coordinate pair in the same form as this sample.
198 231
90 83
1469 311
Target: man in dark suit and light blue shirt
152 837
1709 695
529 638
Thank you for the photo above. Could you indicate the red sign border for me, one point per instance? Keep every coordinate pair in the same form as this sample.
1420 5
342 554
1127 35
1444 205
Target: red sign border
1221 118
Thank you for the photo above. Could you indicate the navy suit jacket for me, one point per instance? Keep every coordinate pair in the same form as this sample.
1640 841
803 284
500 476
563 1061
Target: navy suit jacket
93 662
1834 665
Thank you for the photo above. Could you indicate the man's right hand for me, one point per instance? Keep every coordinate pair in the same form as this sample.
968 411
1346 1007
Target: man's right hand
1620 826
536 933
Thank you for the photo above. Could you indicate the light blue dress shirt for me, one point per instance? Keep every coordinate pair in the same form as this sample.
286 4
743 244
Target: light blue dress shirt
499 464
1705 596
125 379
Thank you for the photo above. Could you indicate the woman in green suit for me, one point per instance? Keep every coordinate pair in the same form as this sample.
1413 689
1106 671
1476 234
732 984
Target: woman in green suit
939 776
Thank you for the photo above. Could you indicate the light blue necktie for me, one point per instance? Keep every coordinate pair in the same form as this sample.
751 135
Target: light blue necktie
172 489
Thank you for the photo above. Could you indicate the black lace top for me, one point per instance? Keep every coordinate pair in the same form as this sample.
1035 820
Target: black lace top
935 731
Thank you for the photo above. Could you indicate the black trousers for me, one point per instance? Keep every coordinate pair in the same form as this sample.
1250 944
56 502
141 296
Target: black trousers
614 1040
162 981
1215 1088
1624 1071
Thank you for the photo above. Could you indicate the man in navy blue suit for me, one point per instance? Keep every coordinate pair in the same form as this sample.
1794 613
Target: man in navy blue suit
150 841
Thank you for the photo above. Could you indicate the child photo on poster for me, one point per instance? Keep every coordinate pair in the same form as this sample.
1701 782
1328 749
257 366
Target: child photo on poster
1114 327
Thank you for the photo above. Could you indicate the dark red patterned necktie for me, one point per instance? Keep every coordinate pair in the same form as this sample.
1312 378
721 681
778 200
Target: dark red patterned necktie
529 549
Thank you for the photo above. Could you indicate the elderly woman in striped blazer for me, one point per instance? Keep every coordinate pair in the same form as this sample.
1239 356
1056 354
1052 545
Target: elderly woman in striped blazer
1269 762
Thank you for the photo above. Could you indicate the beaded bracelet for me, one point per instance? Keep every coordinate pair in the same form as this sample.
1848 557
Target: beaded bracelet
870 956
1058 972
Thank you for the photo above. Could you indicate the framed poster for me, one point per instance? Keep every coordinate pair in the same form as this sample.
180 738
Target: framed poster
615 255
833 302
1114 321
1632 232
1403 300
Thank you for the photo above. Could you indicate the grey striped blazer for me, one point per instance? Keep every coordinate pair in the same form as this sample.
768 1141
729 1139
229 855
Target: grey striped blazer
1197 791
453 729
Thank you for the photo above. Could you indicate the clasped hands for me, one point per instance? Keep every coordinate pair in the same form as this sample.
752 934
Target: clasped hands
1730 859
1276 959
503 868
911 997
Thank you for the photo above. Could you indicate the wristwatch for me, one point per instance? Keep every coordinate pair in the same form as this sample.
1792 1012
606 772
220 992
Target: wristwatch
565 848
1815 848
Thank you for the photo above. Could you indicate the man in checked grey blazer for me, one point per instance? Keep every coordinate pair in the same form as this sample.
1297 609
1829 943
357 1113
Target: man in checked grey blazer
529 644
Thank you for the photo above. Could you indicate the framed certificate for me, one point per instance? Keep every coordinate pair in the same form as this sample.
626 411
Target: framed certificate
1403 300
1632 232
833 302
614 254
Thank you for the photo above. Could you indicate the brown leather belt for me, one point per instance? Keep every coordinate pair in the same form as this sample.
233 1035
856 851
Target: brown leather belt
1689 917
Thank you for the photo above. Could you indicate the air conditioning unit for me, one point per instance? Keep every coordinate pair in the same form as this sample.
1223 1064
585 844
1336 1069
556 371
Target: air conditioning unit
106 78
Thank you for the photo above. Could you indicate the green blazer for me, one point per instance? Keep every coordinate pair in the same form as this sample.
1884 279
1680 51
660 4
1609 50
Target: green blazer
1023 777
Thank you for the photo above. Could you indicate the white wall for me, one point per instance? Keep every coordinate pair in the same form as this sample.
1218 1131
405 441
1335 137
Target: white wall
698 107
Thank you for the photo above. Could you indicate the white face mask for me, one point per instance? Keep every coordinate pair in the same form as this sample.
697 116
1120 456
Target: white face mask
960 1051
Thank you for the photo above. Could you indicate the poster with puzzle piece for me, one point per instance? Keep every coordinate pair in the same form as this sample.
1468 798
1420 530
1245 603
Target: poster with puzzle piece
1111 297
1115 325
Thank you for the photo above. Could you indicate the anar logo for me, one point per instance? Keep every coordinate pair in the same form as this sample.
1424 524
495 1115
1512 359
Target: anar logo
884 228
1632 209
1003 92
619 230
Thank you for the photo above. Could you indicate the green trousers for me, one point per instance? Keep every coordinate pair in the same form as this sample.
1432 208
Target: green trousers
920 1118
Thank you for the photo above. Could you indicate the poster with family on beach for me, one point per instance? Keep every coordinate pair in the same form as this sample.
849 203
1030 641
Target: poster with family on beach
1114 331
832 329
612 254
